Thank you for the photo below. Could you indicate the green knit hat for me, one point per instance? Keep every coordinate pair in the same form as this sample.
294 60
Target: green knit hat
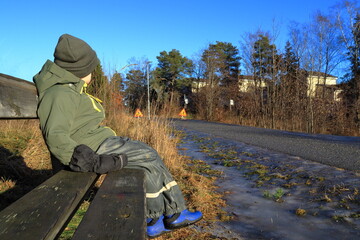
75 56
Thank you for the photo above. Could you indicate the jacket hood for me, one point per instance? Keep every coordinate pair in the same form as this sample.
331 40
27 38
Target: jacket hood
51 74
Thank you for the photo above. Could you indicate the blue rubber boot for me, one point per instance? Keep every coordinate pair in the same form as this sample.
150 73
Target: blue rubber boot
155 227
182 219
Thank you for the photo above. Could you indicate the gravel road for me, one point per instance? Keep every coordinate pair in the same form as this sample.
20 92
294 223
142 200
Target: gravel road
337 151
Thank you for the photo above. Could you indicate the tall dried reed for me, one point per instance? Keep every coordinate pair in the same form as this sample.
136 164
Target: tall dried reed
199 191
24 158
21 141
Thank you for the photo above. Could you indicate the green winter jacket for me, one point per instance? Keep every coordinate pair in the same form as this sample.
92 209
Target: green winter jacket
68 115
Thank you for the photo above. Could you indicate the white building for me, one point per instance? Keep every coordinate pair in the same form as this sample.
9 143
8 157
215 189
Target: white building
316 82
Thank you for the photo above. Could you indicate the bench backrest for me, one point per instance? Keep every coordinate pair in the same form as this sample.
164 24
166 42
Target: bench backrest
18 98
117 212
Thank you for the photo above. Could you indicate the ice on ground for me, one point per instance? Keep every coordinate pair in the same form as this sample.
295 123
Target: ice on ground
272 195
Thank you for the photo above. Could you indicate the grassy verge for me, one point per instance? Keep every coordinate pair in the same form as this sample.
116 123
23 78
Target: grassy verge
24 159
25 163
198 189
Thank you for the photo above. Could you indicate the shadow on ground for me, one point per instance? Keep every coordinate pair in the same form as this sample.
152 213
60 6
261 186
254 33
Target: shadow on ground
16 179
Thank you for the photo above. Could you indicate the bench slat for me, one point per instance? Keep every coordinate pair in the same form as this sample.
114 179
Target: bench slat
41 213
118 209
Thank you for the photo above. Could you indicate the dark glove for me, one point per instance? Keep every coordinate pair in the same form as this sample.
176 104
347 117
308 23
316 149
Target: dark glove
84 159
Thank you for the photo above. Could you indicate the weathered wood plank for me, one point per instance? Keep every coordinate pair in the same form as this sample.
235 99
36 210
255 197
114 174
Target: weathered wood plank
18 98
118 209
41 213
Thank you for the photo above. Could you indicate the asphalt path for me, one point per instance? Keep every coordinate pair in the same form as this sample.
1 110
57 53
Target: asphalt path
337 151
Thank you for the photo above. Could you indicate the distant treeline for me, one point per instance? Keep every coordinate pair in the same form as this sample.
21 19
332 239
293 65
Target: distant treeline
255 83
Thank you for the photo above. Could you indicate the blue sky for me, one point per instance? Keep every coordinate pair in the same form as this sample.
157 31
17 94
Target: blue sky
120 30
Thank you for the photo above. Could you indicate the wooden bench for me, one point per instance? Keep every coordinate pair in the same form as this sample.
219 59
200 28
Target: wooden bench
116 212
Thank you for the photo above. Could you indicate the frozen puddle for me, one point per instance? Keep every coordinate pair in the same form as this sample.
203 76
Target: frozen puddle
272 195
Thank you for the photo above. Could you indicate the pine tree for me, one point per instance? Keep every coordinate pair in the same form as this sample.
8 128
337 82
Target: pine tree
117 82
172 73
117 91
292 86
221 77
263 56
266 70
135 89
291 79
291 62
99 83
224 63
352 89
354 57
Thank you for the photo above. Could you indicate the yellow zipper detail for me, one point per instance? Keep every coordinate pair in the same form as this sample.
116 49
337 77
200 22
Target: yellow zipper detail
95 98
92 98
83 89
94 104
111 130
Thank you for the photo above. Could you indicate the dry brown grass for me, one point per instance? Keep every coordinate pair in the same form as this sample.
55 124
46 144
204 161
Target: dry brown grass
199 191
6 184
25 158
22 147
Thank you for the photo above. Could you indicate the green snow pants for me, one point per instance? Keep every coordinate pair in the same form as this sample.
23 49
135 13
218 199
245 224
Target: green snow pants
163 195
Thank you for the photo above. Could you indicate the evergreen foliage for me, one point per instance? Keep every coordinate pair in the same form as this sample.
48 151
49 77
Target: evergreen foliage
352 87
135 92
221 63
172 74
264 57
99 82
277 82
222 60
117 83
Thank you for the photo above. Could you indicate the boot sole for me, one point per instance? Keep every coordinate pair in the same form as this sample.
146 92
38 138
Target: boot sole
182 224
155 236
